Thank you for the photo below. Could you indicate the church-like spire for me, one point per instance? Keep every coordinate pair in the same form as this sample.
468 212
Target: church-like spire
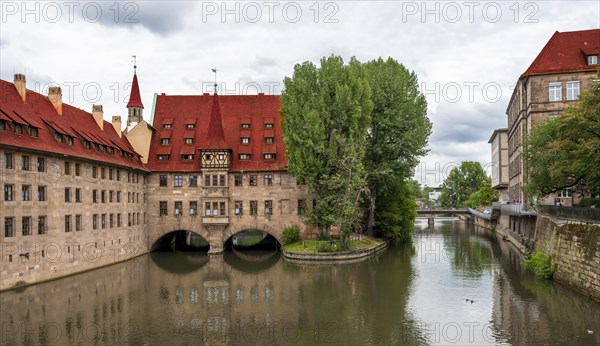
216 137
134 98
135 106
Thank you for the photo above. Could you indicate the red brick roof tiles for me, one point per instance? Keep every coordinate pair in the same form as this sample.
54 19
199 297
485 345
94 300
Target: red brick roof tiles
39 112
233 110
566 52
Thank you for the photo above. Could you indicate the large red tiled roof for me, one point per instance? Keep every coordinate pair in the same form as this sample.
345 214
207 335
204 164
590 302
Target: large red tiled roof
135 100
255 110
38 112
566 52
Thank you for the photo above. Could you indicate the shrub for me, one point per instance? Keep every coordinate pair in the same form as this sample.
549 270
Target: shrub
542 264
291 235
325 246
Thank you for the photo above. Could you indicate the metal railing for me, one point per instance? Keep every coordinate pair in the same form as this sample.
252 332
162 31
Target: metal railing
578 213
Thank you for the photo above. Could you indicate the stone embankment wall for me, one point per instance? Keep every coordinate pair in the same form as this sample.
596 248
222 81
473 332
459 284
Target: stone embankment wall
575 249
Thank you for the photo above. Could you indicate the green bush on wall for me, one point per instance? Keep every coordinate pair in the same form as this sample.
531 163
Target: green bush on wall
291 234
542 264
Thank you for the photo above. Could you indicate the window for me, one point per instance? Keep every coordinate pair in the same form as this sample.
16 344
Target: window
26 192
253 180
67 195
8 160
565 193
221 180
269 140
103 173
215 178
9 223
77 170
33 132
103 196
162 209
207 208
178 208
25 162
41 224
167 126
301 206
268 180
245 126
78 195
110 196
572 91
592 60
207 180
244 156
78 223
95 221
269 156
163 180
215 206
95 172
268 125
238 180
41 193
67 168
8 192
555 92
190 126
223 208
178 181
103 221
193 208
269 207
118 175
118 219
41 164
193 181
18 128
165 141
189 141
2 125
67 223
187 157
239 208
26 225
245 140
253 207
110 174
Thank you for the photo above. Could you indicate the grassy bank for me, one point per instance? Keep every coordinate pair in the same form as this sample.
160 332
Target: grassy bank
317 246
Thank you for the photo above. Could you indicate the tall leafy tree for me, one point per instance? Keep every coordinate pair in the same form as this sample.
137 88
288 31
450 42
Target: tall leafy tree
485 195
398 131
326 111
462 182
565 151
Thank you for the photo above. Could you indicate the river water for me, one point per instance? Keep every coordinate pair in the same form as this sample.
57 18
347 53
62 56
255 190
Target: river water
417 294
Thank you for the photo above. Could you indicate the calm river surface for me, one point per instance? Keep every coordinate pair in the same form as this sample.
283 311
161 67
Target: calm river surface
416 294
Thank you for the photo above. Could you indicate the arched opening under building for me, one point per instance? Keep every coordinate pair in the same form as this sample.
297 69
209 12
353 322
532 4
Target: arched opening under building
181 241
252 251
251 240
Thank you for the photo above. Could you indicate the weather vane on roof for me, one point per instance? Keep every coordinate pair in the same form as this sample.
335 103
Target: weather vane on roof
215 72
134 63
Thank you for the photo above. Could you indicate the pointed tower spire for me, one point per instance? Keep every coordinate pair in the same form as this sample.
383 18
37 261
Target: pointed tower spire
216 137
134 106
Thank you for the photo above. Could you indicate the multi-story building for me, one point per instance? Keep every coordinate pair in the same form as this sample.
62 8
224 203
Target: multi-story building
79 193
499 143
566 66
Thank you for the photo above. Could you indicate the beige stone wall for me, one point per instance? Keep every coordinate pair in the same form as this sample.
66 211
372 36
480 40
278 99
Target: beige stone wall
284 194
38 257
139 137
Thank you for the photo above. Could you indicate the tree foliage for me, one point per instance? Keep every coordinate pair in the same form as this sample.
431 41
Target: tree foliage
326 111
565 152
463 181
396 212
485 195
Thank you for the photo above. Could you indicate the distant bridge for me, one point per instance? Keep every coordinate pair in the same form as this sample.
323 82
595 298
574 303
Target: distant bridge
457 211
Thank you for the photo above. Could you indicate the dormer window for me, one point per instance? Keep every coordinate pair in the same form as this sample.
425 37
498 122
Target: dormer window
592 60
2 125
190 126
187 157
245 126
162 157
17 128
244 156
33 132
268 125
189 141
167 126
69 140
269 140
165 141
245 140
269 156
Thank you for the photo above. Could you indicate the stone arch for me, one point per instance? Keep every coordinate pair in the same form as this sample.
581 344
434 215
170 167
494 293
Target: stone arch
161 233
258 225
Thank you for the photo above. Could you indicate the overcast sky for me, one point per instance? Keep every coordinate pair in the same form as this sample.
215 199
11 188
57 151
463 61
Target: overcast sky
468 55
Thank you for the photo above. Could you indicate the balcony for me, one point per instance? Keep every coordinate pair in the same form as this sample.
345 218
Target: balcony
215 220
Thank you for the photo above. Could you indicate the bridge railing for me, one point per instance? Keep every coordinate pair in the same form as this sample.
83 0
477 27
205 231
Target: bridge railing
578 213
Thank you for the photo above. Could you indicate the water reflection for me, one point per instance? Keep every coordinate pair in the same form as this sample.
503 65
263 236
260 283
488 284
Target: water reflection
412 294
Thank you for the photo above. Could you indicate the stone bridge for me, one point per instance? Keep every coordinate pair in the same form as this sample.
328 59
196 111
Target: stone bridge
216 231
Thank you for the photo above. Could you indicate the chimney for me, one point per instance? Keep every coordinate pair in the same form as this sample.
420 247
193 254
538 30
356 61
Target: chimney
98 115
20 83
116 122
55 96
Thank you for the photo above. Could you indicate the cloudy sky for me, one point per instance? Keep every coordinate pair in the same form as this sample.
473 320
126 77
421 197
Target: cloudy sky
468 55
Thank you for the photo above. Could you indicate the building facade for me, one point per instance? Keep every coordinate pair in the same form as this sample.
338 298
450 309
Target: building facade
79 193
564 68
499 144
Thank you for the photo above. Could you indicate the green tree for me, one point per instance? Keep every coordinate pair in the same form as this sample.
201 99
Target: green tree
484 196
399 129
463 181
425 191
565 152
326 111
414 188
396 212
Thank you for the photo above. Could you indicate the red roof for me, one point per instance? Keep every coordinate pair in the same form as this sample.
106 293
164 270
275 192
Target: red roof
233 111
38 112
566 52
134 98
